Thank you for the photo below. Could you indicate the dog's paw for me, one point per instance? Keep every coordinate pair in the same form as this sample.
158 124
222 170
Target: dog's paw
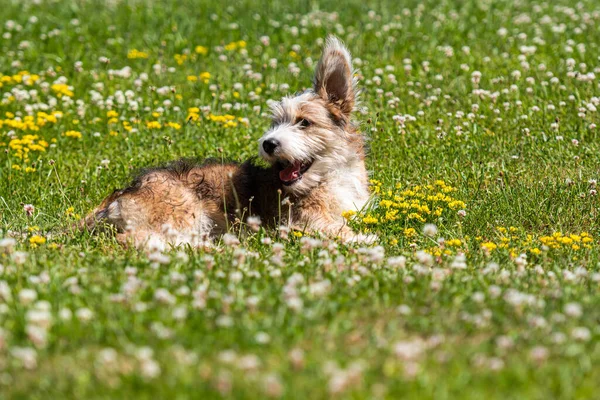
361 238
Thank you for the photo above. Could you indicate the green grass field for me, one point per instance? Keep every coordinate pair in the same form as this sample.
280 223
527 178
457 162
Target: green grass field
484 153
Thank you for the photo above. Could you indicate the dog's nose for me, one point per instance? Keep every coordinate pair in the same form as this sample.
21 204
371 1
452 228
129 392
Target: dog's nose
270 145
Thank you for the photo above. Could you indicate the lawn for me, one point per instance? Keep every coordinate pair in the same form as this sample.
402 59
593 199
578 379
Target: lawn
483 152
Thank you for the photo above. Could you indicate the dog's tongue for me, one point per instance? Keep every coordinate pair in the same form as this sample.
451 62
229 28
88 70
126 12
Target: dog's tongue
290 173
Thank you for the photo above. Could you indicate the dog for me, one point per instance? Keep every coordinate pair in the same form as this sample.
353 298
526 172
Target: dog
316 171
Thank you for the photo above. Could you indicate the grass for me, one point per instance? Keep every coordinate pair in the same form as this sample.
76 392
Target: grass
496 99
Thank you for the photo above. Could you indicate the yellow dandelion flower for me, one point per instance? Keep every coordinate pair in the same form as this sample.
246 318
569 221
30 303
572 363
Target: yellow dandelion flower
410 232
489 246
73 134
202 50
348 214
204 76
37 240
153 125
134 53
453 242
369 220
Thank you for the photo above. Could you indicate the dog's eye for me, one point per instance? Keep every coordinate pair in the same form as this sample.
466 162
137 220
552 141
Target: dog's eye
304 122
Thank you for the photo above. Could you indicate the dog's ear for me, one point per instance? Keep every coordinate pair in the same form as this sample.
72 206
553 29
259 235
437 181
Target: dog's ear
334 76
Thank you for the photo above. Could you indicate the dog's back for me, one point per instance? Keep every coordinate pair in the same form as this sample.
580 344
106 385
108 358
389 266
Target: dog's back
187 203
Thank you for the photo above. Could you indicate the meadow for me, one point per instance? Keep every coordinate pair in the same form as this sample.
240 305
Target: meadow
482 119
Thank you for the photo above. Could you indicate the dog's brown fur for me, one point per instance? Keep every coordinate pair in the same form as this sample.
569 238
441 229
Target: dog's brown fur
187 203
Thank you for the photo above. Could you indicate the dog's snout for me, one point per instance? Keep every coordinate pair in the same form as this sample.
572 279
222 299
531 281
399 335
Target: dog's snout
270 145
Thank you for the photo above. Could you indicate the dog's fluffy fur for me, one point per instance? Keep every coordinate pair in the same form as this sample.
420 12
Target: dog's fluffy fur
317 161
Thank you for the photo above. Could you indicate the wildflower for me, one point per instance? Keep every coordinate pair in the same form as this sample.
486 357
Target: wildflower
348 214
582 334
410 232
65 314
27 296
153 125
149 368
230 240
369 220
204 77
409 350
273 386
489 246
37 240
157 258
539 354
396 262
224 321
7 245
459 262
202 50
62 89
284 231
133 54
73 134
37 335
430 230
424 258
26 356
573 310
29 209
84 314
163 296
404 310
19 257
180 58
254 223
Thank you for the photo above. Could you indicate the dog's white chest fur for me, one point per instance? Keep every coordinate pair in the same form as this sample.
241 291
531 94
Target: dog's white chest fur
348 188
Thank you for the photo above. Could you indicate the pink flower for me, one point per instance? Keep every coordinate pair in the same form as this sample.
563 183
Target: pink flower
29 209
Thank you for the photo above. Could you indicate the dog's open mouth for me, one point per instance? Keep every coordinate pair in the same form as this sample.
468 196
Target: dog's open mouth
290 173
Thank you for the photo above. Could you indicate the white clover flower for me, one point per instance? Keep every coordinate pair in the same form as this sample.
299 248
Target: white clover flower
262 338
7 245
27 356
573 310
163 296
150 369
396 262
224 321
539 354
84 314
581 334
27 296
430 230
254 223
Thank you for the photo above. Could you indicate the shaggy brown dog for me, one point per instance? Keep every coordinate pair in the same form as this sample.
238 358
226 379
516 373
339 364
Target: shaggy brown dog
317 163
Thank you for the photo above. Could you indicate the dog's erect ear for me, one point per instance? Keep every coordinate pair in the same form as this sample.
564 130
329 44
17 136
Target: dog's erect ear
333 78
